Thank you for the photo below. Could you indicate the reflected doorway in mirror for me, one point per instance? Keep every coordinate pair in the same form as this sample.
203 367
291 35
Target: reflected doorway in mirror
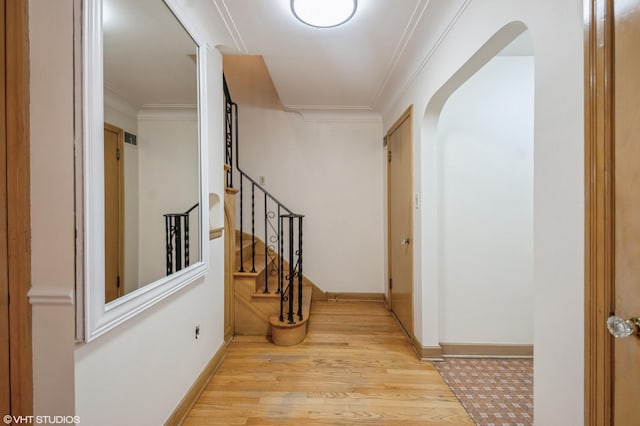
113 213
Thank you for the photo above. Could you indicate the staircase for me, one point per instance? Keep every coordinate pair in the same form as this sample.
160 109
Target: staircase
257 300
272 298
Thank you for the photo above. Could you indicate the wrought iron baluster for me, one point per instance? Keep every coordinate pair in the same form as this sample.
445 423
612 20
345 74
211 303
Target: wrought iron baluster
280 253
186 240
280 279
169 247
266 248
241 224
253 227
236 133
300 268
229 146
178 243
291 273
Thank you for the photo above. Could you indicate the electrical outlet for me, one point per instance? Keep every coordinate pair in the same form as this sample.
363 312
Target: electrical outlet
197 331
261 180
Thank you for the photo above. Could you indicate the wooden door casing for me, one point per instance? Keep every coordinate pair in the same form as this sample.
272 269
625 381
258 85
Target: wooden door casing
17 201
5 372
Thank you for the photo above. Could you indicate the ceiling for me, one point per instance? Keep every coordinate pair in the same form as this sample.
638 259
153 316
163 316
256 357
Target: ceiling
343 68
148 55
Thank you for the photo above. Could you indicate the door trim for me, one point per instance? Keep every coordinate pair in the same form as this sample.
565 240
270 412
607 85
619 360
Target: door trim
599 210
19 201
407 115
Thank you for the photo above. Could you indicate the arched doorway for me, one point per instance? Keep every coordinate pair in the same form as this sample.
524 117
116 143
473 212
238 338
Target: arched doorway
478 187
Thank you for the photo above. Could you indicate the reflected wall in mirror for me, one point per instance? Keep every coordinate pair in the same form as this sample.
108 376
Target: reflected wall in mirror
151 145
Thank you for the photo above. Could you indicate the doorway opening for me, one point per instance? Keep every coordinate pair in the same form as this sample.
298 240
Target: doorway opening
485 141
482 128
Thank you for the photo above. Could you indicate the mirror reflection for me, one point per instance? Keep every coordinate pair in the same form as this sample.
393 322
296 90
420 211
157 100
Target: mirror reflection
151 155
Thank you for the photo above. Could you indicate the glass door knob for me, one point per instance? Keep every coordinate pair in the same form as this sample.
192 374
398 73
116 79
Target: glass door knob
620 328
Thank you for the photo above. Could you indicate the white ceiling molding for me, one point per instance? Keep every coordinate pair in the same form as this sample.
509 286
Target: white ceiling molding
435 47
118 103
399 90
340 116
168 113
328 107
232 28
401 47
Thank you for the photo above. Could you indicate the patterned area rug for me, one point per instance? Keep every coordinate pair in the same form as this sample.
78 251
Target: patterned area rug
495 392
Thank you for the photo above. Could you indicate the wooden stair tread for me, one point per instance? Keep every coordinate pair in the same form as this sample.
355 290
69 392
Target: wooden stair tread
246 244
266 296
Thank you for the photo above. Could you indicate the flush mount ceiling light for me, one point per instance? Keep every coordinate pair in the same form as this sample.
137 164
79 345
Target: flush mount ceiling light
324 13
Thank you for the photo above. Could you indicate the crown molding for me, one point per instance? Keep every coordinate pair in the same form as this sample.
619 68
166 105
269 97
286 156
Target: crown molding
168 113
232 28
343 115
404 87
403 42
118 103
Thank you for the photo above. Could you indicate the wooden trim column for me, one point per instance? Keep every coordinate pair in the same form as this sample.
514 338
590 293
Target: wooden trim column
5 372
599 210
18 206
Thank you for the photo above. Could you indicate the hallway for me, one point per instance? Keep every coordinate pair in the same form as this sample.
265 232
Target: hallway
355 367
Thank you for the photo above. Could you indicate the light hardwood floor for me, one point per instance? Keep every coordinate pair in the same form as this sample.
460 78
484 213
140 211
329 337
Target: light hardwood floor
354 367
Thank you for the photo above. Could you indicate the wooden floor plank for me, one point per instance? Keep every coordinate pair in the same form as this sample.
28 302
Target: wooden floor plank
354 367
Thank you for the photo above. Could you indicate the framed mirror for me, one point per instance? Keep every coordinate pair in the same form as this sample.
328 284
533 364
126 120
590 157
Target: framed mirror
143 159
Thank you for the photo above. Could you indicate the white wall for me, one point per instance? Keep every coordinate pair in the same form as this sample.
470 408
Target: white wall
127 360
138 372
557 32
485 139
168 183
52 199
119 114
329 170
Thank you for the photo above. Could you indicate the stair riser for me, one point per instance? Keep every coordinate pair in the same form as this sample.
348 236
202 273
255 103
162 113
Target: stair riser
252 314
246 247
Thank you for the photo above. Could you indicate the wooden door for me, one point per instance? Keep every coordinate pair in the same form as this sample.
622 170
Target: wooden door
612 118
113 213
400 211
626 87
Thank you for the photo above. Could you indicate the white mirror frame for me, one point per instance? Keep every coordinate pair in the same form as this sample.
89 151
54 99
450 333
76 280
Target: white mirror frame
94 316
